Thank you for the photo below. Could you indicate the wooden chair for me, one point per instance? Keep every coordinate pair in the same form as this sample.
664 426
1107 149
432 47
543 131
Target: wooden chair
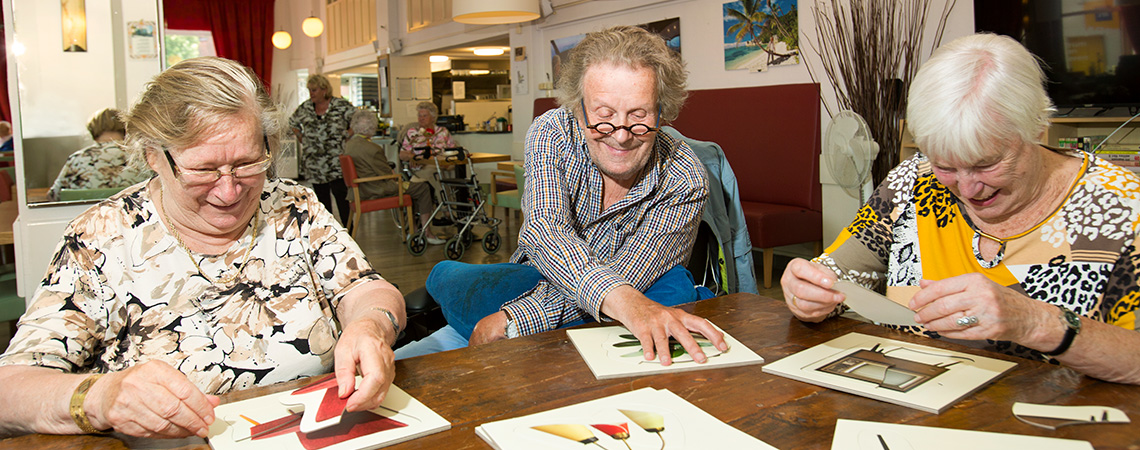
400 200
511 199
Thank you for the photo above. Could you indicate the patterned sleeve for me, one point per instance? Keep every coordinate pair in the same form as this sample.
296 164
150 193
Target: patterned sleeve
297 117
68 314
861 252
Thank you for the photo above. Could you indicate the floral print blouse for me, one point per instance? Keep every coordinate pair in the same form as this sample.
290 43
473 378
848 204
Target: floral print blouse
121 291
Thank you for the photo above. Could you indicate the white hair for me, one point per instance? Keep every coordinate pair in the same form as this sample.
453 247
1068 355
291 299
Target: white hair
364 122
978 95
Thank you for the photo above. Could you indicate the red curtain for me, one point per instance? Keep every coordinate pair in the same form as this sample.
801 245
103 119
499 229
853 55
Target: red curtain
5 107
242 29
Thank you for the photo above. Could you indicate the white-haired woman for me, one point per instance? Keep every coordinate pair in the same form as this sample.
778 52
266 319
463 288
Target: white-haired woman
210 277
992 238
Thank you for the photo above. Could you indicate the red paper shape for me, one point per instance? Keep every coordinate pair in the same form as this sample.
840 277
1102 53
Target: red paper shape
323 383
272 425
614 431
352 425
331 406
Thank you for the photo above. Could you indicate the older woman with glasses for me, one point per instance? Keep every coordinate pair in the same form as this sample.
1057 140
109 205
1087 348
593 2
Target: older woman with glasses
209 278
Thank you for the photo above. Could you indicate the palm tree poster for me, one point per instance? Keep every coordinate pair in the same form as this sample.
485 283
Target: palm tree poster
759 34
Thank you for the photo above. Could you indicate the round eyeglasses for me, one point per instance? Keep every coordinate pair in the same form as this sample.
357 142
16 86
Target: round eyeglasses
193 177
606 128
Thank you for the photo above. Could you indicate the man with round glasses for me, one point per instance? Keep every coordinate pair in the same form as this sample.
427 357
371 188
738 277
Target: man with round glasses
610 210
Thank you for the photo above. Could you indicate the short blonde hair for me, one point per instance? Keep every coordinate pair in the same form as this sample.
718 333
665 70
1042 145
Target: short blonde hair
320 81
190 101
976 95
105 121
625 46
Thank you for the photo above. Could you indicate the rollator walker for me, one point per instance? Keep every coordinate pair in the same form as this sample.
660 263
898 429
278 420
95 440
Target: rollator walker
461 201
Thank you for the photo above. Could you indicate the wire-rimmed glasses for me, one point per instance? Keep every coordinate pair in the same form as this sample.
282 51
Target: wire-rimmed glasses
606 128
194 177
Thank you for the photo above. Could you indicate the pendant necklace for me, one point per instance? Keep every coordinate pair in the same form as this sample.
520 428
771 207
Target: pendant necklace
223 281
979 234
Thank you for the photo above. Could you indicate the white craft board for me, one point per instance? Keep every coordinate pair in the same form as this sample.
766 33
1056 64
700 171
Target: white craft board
229 427
596 346
685 426
962 379
874 306
859 435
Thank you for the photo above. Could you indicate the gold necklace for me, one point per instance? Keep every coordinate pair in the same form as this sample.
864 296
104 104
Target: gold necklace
1068 193
233 276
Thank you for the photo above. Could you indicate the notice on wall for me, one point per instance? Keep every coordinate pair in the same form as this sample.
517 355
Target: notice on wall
143 43
459 89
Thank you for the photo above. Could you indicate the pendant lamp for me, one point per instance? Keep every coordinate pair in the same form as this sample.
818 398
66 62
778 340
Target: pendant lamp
313 26
490 12
282 40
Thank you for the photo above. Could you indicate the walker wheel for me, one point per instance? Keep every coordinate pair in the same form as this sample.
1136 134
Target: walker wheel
454 248
417 244
491 241
468 237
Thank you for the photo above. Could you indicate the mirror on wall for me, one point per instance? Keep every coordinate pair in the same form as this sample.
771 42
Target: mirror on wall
60 87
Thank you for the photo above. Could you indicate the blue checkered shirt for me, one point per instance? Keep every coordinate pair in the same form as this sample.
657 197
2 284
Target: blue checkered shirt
584 252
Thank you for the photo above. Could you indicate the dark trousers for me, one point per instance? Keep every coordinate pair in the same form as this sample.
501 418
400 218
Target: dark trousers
339 192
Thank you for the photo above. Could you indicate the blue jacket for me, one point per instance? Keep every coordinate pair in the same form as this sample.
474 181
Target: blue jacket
725 217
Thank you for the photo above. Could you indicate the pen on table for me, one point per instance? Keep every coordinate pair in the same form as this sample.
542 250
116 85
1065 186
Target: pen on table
883 442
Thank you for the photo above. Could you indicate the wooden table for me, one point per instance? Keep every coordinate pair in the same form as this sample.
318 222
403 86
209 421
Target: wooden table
8 213
540 372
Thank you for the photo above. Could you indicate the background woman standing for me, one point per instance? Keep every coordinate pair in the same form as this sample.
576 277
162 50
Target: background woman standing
321 125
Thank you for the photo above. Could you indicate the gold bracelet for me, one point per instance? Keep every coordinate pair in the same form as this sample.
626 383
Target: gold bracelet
76 407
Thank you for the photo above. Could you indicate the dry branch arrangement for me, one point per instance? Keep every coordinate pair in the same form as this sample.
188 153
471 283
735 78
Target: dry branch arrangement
870 52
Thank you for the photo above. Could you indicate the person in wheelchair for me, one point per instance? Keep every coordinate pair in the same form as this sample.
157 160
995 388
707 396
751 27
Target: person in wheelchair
370 161
423 139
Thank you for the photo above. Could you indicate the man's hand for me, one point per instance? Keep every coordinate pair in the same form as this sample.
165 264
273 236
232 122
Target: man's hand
150 400
653 324
489 329
365 348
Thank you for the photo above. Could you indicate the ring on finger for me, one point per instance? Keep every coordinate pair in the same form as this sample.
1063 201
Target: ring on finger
967 321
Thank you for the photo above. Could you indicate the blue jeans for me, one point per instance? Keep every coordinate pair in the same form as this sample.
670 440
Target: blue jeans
469 292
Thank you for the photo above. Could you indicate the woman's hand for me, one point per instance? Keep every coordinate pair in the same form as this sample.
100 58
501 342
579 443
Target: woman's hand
807 290
150 400
1002 313
365 348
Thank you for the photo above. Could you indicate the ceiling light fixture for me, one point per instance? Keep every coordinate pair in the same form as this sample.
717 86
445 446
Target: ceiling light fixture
282 40
491 12
438 58
479 72
489 51
313 26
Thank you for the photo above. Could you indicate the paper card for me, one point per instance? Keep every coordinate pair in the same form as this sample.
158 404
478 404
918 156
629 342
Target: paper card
1054 416
873 306
860 435
641 419
613 352
937 378
275 423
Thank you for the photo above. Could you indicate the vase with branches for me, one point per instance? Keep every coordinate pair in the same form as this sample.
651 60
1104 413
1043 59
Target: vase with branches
870 50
